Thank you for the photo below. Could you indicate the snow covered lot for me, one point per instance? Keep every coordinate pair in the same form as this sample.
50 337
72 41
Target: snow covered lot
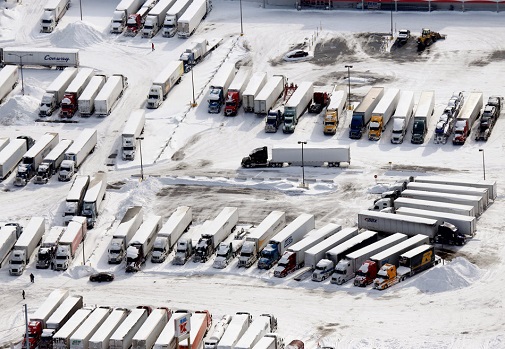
193 158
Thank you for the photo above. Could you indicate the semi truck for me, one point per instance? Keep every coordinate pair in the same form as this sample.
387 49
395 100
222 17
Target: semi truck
263 324
194 54
294 257
121 13
155 18
219 87
61 339
292 156
8 80
142 243
466 118
325 267
465 210
100 339
86 102
382 113
236 329
75 198
296 105
260 236
123 336
191 18
233 99
422 115
26 244
51 163
288 236
151 329
273 121
171 232
402 116
33 158
319 101
68 244
258 80
172 16
268 96
94 196
80 338
347 267
76 154
184 249
132 130
363 112
54 93
164 82
7 241
490 115
222 226
334 111
110 94
135 21
466 225
53 12
476 201
55 57
69 103
367 272
201 321
488 184
226 251
11 155
58 319
218 331
450 189
47 250
38 319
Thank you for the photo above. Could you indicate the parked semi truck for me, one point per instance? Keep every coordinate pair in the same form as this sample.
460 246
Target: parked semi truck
11 155
218 331
422 115
294 257
164 82
151 329
121 13
292 156
185 249
110 94
257 82
172 17
288 236
465 210
123 336
237 327
135 21
325 267
222 226
51 163
55 57
402 116
363 112
75 198
55 91
490 115
61 339
26 244
268 95
95 194
48 246
53 12
297 104
68 244
171 232
382 113
76 154
334 112
476 201
80 338
226 251
319 101
488 184
219 87
263 324
132 130
33 158
450 189
7 241
392 223
142 243
260 236
155 18
69 103
191 18
100 339
8 80
194 54
467 116
233 99
86 102
58 319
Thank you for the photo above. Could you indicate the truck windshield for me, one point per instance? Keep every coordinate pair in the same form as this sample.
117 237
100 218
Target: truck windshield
114 251
152 96
321 268
282 264
47 21
355 123
16 262
61 257
230 104
245 254
418 127
65 168
158 249
374 126
341 272
329 123
87 206
360 273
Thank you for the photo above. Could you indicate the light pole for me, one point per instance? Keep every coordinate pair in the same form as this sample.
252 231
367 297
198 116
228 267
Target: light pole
483 163
303 167
193 104
391 17
83 257
21 67
349 83
241 26
27 338
80 8
140 139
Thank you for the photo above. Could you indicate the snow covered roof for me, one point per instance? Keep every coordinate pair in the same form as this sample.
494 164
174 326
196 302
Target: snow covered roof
59 149
64 76
40 144
95 83
79 143
11 148
80 183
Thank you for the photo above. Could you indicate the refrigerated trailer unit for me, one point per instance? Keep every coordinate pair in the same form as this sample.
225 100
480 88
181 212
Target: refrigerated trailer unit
317 252
26 244
465 210
100 339
8 80
10 156
81 337
476 183
258 80
268 95
450 189
86 102
122 337
394 223
110 93
476 201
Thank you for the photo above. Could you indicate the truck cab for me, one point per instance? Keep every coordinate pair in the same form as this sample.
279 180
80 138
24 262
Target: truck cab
387 277
161 249
286 265
67 170
461 132
150 28
232 103
68 105
45 256
381 204
323 270
343 272
216 98
116 251
62 257
155 97
169 26
269 256
44 173
419 131
330 122
133 24
290 121
356 127
375 128
48 105
450 235
118 22
48 21
366 274
273 121
24 174
225 253
258 157
184 251
17 262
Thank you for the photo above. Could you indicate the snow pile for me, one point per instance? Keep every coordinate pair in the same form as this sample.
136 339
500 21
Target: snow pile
7 19
80 271
18 110
76 35
459 273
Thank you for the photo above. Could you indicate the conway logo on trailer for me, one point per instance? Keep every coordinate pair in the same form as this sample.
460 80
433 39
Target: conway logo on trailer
288 242
50 58
371 220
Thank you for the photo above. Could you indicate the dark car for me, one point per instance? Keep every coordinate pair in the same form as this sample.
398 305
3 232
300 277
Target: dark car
99 277
297 54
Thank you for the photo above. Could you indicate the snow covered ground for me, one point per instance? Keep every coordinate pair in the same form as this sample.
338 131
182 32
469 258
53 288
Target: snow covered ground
193 158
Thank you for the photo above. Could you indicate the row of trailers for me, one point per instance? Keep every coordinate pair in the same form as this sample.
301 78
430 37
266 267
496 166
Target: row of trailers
64 322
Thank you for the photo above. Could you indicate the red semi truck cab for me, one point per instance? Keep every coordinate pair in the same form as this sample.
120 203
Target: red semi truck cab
34 332
232 103
286 265
68 105
366 274
133 24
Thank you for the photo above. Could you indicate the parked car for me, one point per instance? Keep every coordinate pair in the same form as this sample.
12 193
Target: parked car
103 276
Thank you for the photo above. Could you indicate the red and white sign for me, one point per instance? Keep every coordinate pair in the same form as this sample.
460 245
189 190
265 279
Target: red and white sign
182 326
